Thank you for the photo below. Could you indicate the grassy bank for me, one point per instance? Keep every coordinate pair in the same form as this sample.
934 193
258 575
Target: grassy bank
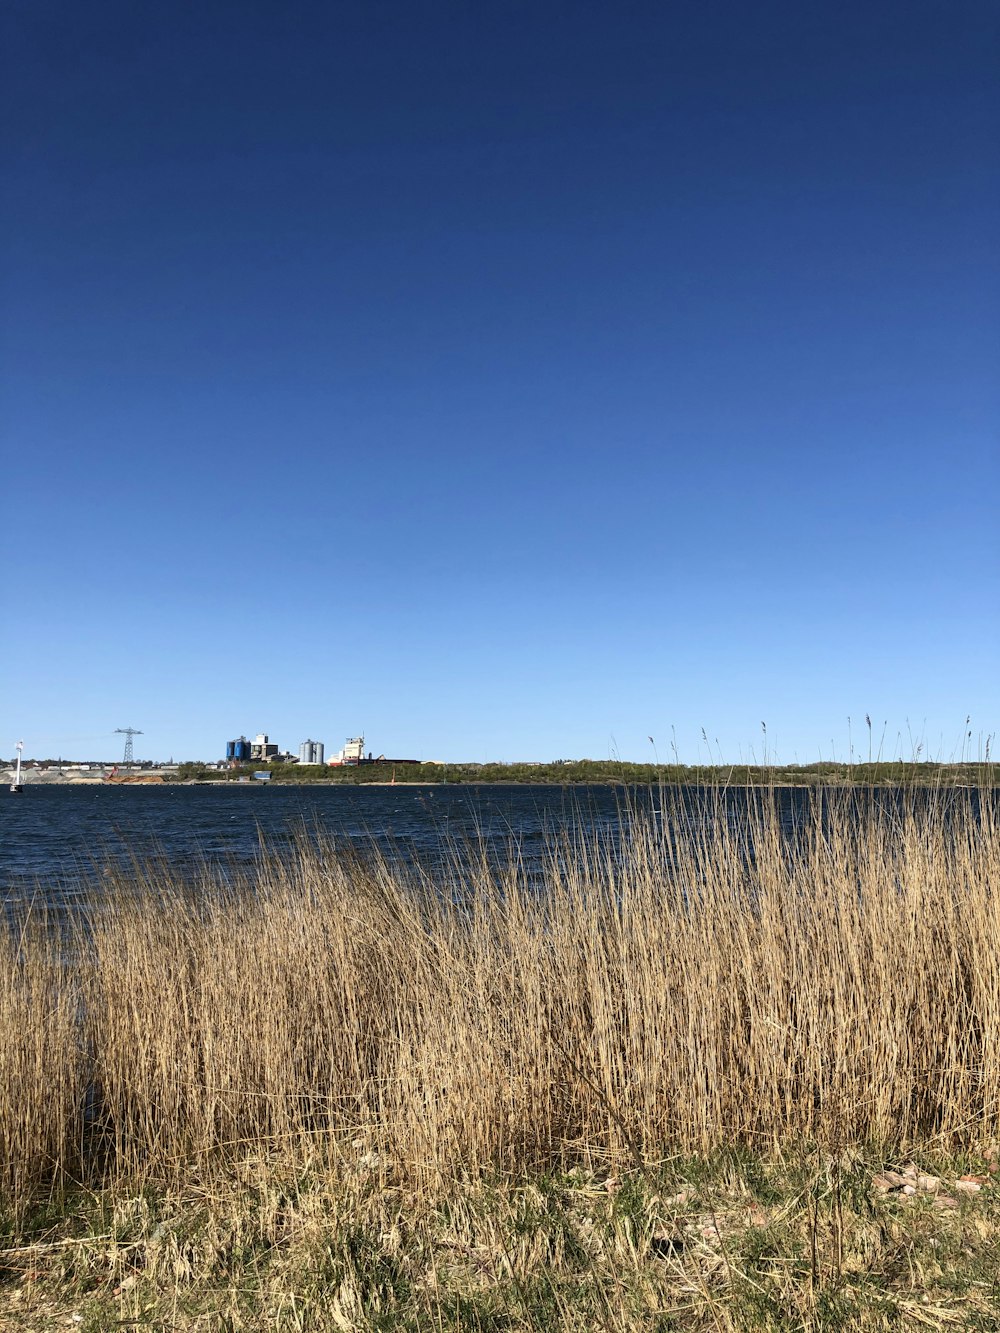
668 1090
336 1241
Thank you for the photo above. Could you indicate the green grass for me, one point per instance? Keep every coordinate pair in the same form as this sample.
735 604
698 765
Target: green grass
731 1242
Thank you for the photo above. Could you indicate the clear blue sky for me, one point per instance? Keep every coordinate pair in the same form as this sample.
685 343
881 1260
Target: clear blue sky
505 381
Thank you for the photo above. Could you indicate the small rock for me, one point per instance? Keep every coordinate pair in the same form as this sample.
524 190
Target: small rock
944 1201
970 1184
886 1181
907 1181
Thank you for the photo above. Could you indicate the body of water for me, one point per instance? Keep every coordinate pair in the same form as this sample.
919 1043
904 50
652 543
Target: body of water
58 843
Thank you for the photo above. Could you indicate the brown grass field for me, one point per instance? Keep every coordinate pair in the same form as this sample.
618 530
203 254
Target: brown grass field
706 1077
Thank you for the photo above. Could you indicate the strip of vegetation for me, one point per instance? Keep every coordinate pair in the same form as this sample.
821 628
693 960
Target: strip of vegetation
732 1241
898 773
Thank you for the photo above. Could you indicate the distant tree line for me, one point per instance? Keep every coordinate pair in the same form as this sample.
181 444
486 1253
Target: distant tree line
614 771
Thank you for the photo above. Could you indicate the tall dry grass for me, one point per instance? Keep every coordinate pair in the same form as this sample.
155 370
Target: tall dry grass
704 980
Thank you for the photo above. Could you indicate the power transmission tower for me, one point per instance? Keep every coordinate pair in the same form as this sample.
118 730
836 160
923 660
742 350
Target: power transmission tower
128 733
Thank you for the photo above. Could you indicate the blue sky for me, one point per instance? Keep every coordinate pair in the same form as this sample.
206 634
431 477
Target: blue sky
503 381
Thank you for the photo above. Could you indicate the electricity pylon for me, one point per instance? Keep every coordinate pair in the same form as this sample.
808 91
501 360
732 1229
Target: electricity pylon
128 733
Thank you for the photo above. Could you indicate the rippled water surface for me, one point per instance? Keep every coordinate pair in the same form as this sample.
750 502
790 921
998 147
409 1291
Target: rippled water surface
58 842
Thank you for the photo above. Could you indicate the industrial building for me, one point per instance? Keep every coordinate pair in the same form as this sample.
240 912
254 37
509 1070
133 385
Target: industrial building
242 751
311 752
352 753
261 748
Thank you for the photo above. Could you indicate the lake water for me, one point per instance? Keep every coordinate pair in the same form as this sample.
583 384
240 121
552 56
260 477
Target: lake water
57 842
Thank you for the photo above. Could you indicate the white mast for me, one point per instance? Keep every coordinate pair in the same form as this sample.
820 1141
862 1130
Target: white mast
16 784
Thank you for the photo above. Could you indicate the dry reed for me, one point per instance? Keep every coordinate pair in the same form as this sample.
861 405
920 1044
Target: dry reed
704 980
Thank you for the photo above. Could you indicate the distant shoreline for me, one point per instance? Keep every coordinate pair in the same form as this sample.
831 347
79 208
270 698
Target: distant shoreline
605 780
558 773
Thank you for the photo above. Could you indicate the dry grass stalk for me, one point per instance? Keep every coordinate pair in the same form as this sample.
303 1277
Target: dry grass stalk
704 982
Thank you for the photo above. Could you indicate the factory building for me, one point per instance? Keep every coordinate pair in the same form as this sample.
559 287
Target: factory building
352 753
311 752
261 748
